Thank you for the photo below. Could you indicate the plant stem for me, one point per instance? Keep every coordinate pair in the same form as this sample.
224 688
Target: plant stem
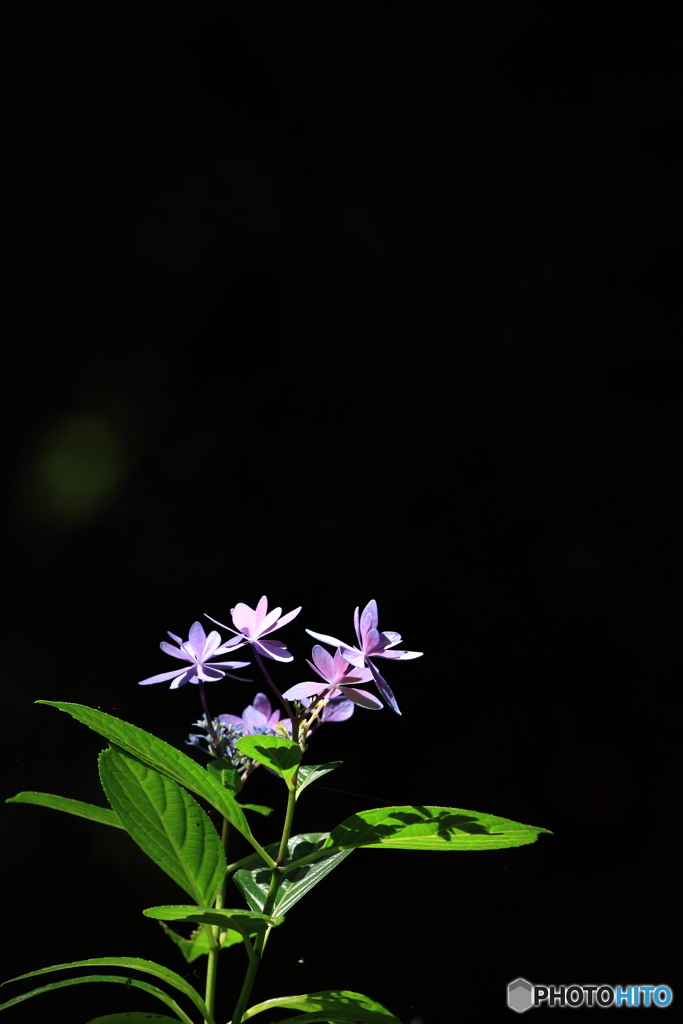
275 878
214 950
209 720
286 705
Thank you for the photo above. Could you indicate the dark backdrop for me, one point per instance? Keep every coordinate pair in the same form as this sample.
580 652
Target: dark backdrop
334 301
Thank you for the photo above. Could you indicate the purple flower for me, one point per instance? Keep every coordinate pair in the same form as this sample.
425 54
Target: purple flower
196 651
339 678
258 719
371 644
252 624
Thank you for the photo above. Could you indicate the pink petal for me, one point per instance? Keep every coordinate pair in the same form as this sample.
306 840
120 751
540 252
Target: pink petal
283 621
260 611
368 619
304 690
229 720
268 622
243 618
395 655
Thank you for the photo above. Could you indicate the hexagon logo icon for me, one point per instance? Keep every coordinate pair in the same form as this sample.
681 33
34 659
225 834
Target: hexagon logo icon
520 995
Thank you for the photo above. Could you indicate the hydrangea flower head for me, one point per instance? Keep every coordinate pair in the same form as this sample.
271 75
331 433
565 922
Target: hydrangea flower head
252 625
371 644
339 679
258 719
195 654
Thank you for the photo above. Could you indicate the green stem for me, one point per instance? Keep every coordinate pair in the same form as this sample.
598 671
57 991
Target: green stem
275 878
215 935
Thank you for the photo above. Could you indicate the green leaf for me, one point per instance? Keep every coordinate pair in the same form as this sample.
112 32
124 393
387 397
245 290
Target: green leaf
276 752
139 1017
130 963
341 1004
166 822
258 809
103 815
430 828
310 772
228 777
253 880
163 758
198 943
245 922
116 979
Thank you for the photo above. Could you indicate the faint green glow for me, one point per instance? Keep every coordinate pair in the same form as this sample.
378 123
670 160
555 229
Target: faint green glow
76 471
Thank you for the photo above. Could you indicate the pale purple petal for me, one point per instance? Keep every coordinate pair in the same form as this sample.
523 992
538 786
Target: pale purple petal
353 656
368 620
274 649
232 664
326 639
198 639
324 663
206 672
262 704
232 644
371 641
177 639
261 610
366 700
304 690
186 677
356 626
221 624
212 644
283 621
384 689
338 710
162 677
253 719
395 655
274 719
391 637
175 652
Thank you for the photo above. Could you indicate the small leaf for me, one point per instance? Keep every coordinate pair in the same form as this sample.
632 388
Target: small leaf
130 963
139 1017
310 772
103 815
166 823
430 828
245 922
276 752
198 943
228 777
258 809
162 757
340 1004
253 880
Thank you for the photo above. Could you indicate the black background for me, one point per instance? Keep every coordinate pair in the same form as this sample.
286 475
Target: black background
335 301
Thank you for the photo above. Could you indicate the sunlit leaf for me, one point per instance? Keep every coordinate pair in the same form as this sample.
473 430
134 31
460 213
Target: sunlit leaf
139 1017
308 773
198 943
246 922
340 1004
103 815
276 752
115 979
430 828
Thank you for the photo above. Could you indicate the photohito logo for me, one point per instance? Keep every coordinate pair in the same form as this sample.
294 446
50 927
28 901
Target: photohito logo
522 995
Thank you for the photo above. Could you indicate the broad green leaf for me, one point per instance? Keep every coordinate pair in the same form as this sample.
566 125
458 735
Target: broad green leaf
340 1004
103 815
308 773
116 979
276 752
253 880
141 1017
430 828
166 822
258 809
133 963
163 758
228 777
246 922
198 943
